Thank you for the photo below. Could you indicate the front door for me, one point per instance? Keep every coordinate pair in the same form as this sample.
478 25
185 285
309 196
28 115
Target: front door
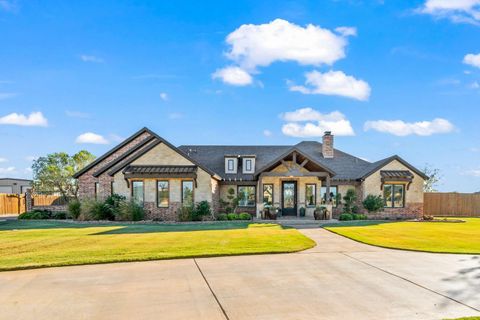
289 198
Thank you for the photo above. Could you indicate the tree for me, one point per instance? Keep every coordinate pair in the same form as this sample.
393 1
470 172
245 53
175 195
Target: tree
54 172
349 202
434 177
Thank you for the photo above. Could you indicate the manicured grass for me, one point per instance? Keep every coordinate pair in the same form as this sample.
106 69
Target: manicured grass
419 236
466 318
34 244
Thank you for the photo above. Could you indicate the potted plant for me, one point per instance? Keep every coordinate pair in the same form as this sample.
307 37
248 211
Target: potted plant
266 211
320 213
302 212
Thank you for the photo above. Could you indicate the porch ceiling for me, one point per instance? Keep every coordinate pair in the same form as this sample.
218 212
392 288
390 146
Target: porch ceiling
300 161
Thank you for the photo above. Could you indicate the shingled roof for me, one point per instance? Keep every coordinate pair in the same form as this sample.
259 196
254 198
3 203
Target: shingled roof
346 166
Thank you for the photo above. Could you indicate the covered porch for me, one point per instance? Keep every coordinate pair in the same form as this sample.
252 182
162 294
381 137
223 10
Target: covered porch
294 185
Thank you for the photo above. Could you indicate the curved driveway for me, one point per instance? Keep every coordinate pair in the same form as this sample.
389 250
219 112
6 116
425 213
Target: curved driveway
338 279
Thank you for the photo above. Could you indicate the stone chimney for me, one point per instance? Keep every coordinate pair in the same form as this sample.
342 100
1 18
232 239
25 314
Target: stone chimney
327 146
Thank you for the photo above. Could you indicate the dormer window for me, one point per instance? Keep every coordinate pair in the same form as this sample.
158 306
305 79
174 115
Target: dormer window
231 165
248 165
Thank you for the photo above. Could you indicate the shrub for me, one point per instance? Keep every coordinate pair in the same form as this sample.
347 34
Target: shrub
222 217
114 202
232 216
35 215
244 216
89 210
130 211
101 211
60 215
373 203
201 210
345 217
359 217
74 209
185 213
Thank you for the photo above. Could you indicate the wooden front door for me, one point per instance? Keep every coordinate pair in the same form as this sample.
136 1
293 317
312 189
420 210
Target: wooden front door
289 198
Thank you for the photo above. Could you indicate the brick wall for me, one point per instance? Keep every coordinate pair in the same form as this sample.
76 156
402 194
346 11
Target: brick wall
86 182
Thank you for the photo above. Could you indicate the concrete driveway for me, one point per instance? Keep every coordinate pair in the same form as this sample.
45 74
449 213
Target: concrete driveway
338 279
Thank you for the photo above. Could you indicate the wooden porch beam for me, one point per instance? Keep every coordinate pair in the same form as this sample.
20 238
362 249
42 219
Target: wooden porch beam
294 154
307 174
303 163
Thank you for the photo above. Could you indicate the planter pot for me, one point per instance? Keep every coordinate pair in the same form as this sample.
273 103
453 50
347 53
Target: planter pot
319 215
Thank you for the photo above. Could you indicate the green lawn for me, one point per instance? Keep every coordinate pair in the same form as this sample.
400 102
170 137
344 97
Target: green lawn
419 236
34 244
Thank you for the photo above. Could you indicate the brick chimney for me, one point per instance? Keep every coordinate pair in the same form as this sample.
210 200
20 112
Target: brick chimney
327 144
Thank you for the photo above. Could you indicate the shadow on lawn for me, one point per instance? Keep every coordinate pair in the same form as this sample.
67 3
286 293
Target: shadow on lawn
154 228
119 228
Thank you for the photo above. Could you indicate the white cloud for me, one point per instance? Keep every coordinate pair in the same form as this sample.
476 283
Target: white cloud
473 173
77 114
260 45
307 122
7 170
92 138
334 83
34 119
466 11
267 133
7 95
401 128
472 59
3 160
347 31
90 58
233 75
475 85
164 96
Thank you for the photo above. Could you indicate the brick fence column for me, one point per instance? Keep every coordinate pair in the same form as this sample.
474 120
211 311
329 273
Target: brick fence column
28 200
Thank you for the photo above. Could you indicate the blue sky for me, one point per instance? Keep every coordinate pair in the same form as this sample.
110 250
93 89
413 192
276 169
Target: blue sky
387 77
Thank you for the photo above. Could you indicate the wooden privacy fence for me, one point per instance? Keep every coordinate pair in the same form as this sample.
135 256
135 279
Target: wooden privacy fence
12 203
16 203
451 204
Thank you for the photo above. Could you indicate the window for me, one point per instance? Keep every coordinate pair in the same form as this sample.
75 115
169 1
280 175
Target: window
230 165
163 196
246 196
137 191
310 195
394 195
187 192
112 192
248 165
333 195
97 189
268 194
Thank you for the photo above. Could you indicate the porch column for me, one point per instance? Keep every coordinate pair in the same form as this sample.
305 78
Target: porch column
329 199
327 184
259 197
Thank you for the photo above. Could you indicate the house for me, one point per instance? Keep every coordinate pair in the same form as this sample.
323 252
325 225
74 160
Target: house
14 186
152 171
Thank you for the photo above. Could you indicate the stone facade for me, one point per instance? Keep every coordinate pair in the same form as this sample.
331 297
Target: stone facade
206 189
209 188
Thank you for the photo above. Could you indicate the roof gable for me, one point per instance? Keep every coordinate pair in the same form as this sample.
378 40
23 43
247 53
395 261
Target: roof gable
374 167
